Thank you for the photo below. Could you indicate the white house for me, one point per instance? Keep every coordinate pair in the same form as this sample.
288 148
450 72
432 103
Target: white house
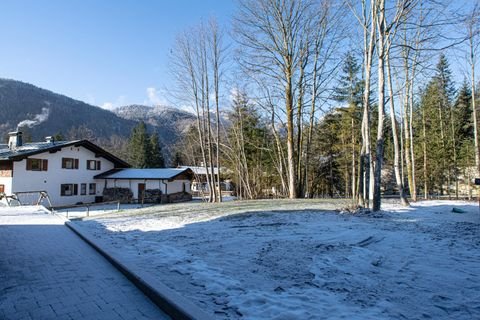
147 185
199 183
66 170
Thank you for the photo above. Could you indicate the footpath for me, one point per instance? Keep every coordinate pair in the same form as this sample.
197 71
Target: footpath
48 272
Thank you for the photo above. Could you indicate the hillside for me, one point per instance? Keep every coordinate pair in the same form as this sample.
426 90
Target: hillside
169 122
50 113
43 113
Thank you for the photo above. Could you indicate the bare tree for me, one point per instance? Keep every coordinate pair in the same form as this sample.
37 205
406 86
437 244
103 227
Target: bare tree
273 35
473 30
197 55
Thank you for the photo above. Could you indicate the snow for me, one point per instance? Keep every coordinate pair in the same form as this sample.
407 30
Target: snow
278 259
129 173
95 209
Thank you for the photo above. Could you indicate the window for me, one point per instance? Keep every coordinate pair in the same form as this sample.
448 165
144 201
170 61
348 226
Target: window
2 188
37 164
69 163
68 190
83 189
92 188
93 165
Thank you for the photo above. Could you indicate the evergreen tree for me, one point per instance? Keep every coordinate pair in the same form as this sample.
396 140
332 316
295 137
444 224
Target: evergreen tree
177 160
463 112
155 160
139 146
349 89
58 137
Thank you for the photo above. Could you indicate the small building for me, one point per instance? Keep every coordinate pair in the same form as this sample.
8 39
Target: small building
147 185
65 170
199 182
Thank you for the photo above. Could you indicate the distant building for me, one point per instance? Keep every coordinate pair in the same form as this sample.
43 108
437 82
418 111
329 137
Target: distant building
199 182
147 185
79 171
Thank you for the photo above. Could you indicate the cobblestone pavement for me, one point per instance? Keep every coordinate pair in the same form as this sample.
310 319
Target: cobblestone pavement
47 272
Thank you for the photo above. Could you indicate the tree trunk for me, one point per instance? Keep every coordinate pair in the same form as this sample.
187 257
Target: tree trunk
365 160
290 139
396 149
381 108
425 166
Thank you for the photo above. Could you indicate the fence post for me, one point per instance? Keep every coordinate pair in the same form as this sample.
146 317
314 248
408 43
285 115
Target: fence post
118 206
88 211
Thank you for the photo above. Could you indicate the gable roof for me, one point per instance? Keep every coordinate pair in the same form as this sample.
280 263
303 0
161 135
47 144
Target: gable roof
144 174
30 149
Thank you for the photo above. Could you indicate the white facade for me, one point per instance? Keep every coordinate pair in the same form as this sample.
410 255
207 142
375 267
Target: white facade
52 179
167 187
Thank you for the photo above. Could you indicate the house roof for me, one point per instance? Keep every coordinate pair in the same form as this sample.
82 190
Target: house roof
199 170
144 174
30 149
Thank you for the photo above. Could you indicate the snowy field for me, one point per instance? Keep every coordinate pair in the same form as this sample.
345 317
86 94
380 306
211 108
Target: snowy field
300 259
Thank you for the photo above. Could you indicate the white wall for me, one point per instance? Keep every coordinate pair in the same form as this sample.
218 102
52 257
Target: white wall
50 180
7 182
173 186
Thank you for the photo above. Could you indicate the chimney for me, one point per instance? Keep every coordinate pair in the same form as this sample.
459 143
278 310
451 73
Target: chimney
50 139
14 140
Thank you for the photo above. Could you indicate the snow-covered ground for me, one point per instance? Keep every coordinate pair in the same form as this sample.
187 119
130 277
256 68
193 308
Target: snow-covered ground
300 259
82 211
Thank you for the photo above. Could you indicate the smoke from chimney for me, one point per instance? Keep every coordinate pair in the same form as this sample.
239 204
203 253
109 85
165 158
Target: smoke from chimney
39 118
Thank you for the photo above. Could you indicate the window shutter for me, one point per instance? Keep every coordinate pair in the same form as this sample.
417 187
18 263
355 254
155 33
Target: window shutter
44 165
99 165
76 163
29 164
75 189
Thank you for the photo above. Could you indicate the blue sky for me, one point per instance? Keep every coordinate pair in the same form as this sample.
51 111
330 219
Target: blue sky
106 53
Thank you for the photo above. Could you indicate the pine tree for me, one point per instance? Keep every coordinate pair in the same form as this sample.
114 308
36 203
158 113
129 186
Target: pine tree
349 91
139 146
155 159
177 160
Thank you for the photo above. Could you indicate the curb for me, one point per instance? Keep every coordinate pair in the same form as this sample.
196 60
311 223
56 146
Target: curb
165 298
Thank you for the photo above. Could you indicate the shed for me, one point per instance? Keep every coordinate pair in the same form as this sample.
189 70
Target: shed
147 185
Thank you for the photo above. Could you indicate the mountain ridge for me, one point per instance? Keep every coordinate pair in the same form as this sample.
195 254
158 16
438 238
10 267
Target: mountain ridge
48 113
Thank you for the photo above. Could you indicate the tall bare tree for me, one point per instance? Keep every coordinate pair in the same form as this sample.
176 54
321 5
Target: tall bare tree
273 35
473 31
196 57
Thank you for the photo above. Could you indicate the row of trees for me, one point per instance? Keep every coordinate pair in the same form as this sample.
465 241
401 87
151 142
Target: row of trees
309 118
144 150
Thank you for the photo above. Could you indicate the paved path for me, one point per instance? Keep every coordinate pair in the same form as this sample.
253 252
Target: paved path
47 272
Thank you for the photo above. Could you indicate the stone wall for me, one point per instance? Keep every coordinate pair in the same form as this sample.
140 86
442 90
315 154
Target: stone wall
124 195
179 197
152 196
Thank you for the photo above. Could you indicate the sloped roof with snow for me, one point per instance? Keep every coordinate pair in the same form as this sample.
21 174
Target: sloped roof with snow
144 174
200 170
30 149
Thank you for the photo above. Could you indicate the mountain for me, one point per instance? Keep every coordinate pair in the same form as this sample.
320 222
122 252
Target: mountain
43 113
48 113
170 123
